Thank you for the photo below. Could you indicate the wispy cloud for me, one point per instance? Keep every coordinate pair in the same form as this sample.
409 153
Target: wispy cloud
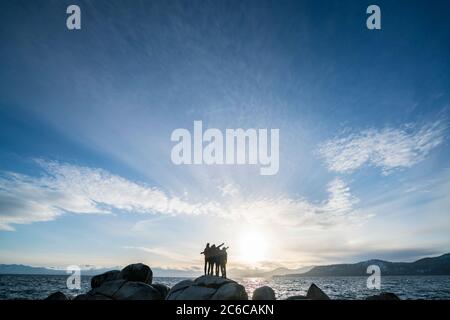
388 148
163 252
228 190
65 188
338 208
68 188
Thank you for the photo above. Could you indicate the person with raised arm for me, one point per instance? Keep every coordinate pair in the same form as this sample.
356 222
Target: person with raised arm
206 252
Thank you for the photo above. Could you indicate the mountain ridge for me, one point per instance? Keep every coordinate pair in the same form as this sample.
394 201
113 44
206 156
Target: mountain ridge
439 265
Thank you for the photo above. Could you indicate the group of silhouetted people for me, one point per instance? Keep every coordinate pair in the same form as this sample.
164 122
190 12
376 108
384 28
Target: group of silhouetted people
215 259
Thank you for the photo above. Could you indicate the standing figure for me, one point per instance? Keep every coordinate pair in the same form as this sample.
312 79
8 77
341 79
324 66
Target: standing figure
207 253
216 259
211 259
223 256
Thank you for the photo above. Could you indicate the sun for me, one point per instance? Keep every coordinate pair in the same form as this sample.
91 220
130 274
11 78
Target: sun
253 247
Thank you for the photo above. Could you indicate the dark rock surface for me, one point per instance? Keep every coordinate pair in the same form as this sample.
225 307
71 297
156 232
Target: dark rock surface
384 296
88 296
208 288
315 293
98 280
162 289
132 290
109 288
264 293
132 283
299 297
137 272
58 295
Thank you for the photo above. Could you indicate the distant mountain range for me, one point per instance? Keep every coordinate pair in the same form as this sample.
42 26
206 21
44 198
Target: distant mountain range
427 266
88 271
23 269
157 272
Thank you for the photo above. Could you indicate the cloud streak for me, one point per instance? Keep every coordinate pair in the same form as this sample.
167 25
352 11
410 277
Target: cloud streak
81 190
388 149
65 188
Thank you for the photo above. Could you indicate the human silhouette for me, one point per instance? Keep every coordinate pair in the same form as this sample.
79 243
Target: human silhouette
212 259
215 260
207 253
223 256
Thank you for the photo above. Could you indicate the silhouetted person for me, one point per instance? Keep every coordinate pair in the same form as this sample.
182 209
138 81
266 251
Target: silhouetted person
223 256
207 253
213 266
211 262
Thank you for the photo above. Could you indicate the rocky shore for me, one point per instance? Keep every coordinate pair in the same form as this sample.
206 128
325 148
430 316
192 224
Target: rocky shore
135 282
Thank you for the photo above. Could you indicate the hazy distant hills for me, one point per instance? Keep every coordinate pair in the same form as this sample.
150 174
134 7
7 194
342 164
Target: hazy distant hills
23 269
427 266
89 271
157 272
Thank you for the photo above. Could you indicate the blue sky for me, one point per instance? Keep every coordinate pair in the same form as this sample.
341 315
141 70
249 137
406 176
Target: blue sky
86 117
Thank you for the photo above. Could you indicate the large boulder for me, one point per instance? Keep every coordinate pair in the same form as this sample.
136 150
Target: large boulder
109 288
315 293
131 283
132 290
125 290
384 296
99 279
137 272
162 288
88 296
58 295
230 291
208 288
264 293
299 297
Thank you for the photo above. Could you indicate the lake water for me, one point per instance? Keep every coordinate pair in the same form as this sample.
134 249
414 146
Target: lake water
406 287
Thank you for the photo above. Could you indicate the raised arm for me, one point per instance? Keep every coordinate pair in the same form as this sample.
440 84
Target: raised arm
220 245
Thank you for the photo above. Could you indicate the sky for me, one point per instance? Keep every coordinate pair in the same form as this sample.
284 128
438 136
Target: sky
86 117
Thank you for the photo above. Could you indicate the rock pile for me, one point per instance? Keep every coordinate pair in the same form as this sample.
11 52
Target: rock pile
135 282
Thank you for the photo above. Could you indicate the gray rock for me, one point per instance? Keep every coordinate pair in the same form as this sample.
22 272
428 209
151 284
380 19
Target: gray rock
193 293
384 296
137 272
230 291
58 295
162 288
132 290
88 296
315 293
108 288
299 297
211 281
264 293
99 279
207 288
181 285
